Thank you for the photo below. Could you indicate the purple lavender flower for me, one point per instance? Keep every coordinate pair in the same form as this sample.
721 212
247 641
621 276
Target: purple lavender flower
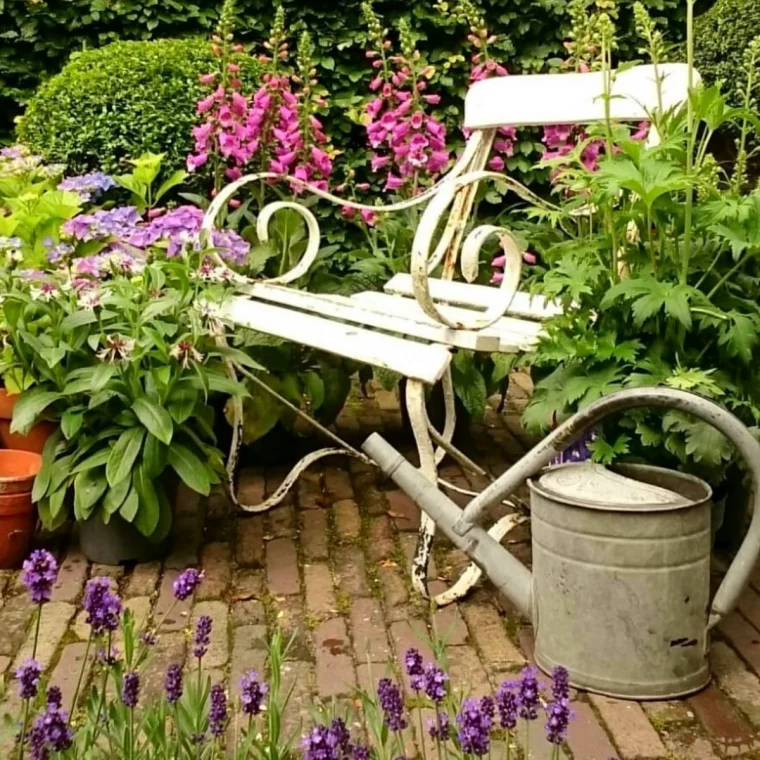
103 607
149 638
50 731
252 693
558 717
507 703
130 689
320 744
558 713
54 697
40 572
187 582
392 705
202 637
217 716
577 452
28 677
474 727
413 662
435 682
360 752
341 734
440 729
413 665
173 684
88 186
560 683
528 693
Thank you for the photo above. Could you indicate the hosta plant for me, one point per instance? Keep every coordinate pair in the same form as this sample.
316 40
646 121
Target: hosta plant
652 249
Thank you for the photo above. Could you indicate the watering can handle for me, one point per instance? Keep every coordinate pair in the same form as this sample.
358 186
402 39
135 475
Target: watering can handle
566 434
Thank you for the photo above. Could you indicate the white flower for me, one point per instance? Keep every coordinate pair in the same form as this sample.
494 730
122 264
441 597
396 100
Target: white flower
91 298
45 292
211 313
185 352
117 348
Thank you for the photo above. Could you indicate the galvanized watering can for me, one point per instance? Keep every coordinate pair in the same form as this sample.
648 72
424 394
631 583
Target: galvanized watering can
619 592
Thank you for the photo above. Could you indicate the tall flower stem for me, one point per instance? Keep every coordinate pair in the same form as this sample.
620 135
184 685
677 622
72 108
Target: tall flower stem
422 735
688 209
102 700
25 723
81 677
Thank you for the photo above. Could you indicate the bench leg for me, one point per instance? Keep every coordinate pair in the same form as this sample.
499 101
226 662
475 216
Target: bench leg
429 459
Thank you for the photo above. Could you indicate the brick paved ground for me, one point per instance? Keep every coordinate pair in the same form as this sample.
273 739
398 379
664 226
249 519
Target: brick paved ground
331 567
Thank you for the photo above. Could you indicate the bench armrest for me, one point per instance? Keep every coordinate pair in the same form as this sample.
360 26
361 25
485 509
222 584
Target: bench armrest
473 148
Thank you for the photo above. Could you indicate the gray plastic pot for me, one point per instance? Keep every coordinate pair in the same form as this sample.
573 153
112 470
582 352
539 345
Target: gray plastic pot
119 542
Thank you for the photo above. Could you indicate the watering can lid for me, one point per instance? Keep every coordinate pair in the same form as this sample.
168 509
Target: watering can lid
593 484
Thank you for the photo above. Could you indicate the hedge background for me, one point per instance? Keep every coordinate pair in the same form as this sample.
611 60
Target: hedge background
37 36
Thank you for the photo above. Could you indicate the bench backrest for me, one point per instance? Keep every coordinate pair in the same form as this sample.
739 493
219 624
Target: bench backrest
573 98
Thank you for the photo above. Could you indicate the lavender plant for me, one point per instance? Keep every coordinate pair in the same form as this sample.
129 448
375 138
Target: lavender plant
195 719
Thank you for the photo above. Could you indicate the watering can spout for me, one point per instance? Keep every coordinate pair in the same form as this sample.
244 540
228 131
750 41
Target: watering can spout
508 574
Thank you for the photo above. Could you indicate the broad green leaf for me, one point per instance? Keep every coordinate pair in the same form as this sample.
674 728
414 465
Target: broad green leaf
71 422
89 486
155 418
29 406
96 460
189 468
165 516
56 502
154 456
315 388
181 408
42 480
469 385
53 356
177 178
116 495
78 319
130 505
123 455
149 513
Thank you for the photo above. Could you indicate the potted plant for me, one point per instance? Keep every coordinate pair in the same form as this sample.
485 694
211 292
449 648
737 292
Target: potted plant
126 362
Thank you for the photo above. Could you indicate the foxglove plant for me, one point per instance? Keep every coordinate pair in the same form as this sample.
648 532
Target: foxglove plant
278 129
409 144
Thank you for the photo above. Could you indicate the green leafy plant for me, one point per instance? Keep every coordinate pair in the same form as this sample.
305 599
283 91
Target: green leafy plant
126 365
659 284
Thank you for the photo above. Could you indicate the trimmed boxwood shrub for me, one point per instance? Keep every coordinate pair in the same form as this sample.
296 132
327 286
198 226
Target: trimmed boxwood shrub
722 34
120 101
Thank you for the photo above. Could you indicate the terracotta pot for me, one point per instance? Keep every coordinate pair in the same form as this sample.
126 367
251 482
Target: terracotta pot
17 513
34 440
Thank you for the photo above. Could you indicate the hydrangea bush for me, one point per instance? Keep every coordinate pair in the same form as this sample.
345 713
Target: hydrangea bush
193 718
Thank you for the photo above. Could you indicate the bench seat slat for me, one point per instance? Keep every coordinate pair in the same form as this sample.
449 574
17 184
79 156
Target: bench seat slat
518 334
419 361
345 308
479 297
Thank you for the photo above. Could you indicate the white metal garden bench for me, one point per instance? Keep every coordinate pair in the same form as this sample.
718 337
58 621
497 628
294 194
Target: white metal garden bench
414 325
